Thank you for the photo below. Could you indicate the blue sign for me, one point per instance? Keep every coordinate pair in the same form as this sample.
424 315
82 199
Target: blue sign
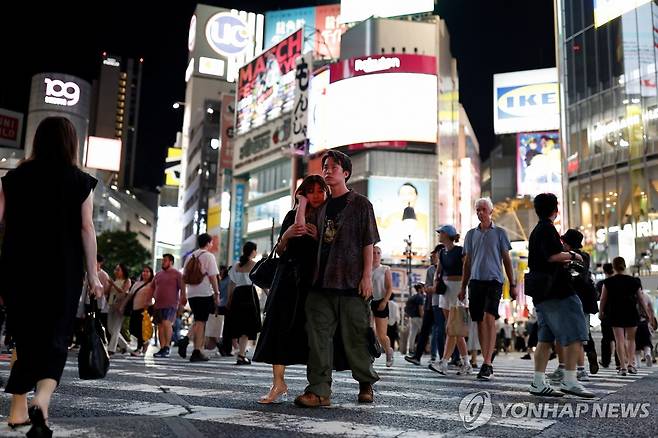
227 34
280 24
238 221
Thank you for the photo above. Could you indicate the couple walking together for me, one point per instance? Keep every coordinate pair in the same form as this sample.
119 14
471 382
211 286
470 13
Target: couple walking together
317 311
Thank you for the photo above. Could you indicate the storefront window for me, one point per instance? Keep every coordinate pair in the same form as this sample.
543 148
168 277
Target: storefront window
270 179
262 216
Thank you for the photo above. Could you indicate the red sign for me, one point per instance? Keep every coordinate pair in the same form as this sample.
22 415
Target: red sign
573 164
266 86
327 43
9 128
226 126
391 63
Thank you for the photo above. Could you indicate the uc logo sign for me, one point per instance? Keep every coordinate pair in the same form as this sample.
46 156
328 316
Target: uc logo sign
61 93
527 100
227 34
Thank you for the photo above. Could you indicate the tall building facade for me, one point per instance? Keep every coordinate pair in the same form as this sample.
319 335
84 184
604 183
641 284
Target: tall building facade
115 111
608 59
220 41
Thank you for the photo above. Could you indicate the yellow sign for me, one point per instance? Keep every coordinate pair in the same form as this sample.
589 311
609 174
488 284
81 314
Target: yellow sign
173 167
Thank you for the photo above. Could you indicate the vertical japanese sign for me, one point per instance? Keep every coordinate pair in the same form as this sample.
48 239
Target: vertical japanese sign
300 110
238 221
226 126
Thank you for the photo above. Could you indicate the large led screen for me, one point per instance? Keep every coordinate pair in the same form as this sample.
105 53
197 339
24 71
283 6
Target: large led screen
266 85
382 107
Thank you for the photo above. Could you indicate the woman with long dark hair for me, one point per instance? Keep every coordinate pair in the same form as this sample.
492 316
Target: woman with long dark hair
41 310
283 339
243 318
141 296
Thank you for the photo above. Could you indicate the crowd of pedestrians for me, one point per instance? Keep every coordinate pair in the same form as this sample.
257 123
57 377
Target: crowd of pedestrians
330 305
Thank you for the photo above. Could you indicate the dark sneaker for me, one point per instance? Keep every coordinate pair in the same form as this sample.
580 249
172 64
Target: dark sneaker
164 352
485 373
413 360
593 362
197 356
182 346
526 356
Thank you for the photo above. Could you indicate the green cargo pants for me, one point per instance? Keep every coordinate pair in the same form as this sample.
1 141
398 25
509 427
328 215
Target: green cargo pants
324 312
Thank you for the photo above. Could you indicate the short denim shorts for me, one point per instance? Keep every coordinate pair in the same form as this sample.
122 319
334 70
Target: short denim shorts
562 320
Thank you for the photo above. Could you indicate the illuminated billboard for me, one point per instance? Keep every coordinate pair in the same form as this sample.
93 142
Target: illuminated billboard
11 128
389 197
392 98
173 167
321 27
539 164
318 124
607 10
266 85
103 153
526 101
359 10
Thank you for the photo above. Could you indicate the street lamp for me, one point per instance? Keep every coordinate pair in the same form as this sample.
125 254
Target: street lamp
177 105
409 219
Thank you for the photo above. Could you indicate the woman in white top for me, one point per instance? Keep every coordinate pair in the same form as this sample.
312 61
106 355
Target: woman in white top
382 289
243 318
118 294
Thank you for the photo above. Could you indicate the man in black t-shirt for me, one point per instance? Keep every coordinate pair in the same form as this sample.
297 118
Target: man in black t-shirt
560 315
342 286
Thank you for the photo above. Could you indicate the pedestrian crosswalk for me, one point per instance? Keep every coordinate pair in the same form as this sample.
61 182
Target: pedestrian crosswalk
201 397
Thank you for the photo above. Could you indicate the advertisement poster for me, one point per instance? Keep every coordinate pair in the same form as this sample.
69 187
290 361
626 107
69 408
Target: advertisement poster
389 197
266 86
238 220
321 25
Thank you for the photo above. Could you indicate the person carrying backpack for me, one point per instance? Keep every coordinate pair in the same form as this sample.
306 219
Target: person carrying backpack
201 289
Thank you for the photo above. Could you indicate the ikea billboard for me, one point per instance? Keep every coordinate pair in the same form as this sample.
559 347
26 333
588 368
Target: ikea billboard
526 101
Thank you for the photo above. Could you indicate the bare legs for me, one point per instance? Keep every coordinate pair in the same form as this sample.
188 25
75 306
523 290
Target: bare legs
625 345
487 334
381 324
44 392
164 334
279 389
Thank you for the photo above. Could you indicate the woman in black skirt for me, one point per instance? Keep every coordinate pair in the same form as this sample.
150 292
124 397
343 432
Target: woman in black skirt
283 339
41 308
243 317
620 298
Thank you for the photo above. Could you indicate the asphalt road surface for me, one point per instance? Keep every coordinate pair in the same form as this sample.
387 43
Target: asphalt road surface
147 397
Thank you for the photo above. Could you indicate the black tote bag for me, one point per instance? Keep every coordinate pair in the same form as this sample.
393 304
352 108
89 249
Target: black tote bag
262 274
93 360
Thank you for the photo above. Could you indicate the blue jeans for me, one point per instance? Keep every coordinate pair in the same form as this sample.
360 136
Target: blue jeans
438 332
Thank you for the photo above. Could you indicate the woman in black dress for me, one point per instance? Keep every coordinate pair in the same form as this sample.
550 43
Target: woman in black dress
283 339
620 298
48 188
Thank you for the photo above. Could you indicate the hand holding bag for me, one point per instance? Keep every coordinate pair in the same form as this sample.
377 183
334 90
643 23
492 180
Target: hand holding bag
214 325
262 274
93 360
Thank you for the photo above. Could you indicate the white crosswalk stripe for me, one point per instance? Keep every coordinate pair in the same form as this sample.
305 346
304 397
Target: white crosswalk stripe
414 395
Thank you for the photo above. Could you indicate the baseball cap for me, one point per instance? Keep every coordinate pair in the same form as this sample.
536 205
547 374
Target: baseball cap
448 229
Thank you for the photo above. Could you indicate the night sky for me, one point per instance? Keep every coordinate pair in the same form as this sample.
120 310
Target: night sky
487 37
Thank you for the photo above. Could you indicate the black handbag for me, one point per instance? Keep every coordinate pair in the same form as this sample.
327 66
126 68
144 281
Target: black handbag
93 360
441 287
262 274
374 347
538 285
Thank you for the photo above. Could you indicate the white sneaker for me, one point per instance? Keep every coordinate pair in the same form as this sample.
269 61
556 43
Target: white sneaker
582 376
576 389
557 375
440 367
465 369
544 390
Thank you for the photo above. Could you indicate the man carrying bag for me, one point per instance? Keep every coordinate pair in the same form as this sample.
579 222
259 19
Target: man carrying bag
559 310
